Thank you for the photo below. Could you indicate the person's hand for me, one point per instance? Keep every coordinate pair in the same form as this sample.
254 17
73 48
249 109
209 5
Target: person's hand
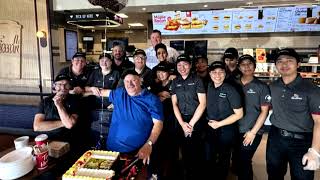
144 153
214 124
77 90
58 99
311 160
95 91
163 95
187 129
248 138
172 77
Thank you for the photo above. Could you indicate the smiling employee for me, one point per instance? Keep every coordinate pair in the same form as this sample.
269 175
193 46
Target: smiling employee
256 107
294 136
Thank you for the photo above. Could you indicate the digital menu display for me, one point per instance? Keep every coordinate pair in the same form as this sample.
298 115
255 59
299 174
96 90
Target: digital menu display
282 19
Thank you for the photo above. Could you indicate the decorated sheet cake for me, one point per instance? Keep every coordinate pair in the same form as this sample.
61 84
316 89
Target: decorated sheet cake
93 165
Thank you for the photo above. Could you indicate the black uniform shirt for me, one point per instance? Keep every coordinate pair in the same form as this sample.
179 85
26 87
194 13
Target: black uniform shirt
110 80
293 104
126 64
146 76
50 111
221 101
80 80
186 91
256 94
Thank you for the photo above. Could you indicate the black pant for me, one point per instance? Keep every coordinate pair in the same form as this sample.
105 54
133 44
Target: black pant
245 156
281 150
219 143
192 150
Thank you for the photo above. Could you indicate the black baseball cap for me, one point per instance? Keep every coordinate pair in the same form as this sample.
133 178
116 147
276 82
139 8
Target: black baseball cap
217 64
183 57
201 56
231 53
163 66
105 55
289 52
139 51
79 54
61 77
129 71
246 57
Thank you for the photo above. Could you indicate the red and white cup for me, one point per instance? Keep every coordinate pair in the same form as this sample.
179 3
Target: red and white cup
41 139
42 159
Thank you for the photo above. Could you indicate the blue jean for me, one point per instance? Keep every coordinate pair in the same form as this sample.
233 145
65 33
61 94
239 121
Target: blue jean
283 150
245 157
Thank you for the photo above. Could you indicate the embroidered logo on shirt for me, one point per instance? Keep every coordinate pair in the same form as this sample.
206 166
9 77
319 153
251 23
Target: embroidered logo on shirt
179 85
222 95
268 98
296 97
111 78
191 84
251 91
84 78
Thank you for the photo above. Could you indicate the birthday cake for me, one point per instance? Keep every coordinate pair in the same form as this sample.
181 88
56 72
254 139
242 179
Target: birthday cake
93 165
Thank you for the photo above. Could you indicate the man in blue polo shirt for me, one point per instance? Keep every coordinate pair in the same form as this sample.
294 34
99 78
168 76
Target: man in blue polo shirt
137 118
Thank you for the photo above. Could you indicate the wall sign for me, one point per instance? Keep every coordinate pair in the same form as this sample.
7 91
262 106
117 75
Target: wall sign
10 49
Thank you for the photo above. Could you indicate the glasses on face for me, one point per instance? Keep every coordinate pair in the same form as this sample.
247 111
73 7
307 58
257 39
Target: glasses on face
65 85
139 57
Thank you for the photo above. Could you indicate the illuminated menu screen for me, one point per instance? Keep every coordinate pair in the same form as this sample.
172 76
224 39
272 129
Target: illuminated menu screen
282 19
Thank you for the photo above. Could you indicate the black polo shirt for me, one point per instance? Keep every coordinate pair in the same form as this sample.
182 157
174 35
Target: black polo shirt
256 94
50 111
221 101
126 64
80 80
294 103
187 91
109 81
146 76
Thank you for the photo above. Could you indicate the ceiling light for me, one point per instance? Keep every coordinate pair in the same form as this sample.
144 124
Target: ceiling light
135 24
143 9
122 15
206 5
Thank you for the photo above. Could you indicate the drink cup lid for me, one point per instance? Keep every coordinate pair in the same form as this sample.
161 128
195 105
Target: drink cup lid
41 137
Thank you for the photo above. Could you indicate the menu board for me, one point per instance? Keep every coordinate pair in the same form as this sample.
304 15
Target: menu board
266 21
243 20
306 18
221 21
282 19
189 22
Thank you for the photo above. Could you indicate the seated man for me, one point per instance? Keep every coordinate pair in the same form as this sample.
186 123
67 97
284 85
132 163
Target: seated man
136 120
58 112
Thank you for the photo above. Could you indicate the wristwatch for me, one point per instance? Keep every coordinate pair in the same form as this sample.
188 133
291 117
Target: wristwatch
150 143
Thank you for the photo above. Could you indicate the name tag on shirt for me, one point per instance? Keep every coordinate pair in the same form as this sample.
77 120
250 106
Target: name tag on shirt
251 91
191 84
296 97
179 85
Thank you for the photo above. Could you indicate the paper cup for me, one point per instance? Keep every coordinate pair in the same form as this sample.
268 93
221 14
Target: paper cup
42 160
21 142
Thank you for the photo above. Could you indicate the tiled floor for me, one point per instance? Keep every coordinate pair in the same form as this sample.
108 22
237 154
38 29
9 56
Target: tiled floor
259 164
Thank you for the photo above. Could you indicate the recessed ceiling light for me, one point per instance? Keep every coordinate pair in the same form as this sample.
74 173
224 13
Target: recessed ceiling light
135 24
122 15
143 9
206 5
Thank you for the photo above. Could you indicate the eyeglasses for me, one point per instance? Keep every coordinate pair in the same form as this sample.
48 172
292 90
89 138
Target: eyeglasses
139 57
65 85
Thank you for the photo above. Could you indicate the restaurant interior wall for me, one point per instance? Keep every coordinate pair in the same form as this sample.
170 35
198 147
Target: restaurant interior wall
21 75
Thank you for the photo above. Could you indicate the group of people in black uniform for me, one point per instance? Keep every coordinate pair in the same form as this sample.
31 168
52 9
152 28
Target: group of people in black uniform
212 111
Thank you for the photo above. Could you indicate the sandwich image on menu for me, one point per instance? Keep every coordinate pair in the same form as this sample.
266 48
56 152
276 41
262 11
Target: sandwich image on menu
197 24
215 27
185 23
